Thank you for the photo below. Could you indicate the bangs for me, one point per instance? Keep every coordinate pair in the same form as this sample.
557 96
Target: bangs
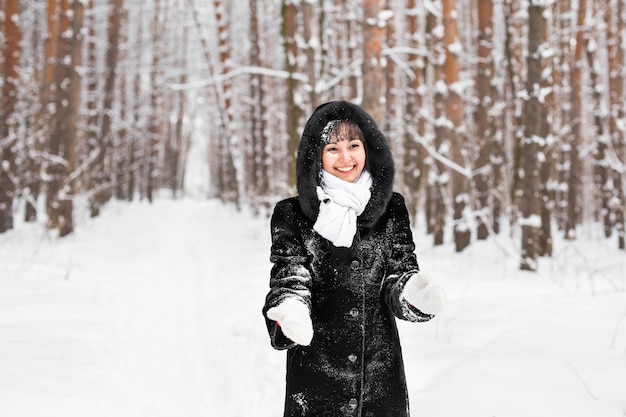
339 130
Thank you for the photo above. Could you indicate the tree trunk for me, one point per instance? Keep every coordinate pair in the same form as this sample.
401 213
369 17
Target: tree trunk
390 111
515 68
563 112
122 163
454 112
63 140
485 179
33 185
414 167
533 142
438 180
102 187
576 86
155 127
617 115
600 162
310 51
373 34
293 111
181 138
228 184
259 158
11 55
136 179
92 95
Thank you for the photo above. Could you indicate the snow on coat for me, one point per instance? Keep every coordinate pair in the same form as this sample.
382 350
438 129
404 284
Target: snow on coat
353 366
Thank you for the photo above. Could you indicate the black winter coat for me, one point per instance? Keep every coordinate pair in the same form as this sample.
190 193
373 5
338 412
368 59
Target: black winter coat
353 366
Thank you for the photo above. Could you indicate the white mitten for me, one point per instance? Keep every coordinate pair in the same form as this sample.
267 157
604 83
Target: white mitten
293 318
425 295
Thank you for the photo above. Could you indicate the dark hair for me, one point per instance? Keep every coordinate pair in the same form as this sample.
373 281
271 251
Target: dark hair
341 130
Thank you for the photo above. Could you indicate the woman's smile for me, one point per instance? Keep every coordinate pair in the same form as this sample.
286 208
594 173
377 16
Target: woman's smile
344 159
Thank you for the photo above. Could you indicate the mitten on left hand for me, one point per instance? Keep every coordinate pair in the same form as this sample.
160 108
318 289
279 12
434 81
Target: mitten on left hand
424 294
293 318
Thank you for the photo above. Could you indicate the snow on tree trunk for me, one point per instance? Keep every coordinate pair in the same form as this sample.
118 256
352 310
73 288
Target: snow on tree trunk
180 138
293 110
535 136
454 136
63 138
155 123
259 159
414 122
576 126
391 110
374 24
438 178
564 23
310 51
484 179
102 186
513 128
11 57
228 183
616 25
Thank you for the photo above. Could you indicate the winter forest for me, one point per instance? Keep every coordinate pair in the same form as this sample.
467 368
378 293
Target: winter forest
497 111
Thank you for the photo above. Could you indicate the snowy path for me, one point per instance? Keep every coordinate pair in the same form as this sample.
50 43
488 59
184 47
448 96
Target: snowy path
139 314
154 311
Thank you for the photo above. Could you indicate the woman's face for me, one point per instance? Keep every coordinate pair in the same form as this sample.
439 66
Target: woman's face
344 158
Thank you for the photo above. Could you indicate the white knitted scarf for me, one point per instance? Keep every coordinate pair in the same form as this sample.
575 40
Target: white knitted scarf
340 204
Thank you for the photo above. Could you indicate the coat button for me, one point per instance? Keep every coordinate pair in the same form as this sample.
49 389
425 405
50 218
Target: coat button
355 264
354 312
352 358
353 403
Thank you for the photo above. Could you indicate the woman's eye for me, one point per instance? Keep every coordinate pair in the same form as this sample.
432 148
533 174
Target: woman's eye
354 146
331 150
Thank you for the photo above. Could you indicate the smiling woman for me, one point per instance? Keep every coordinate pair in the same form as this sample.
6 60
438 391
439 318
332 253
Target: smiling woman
342 254
344 155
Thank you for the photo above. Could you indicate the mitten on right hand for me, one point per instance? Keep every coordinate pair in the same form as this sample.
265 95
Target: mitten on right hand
294 320
424 294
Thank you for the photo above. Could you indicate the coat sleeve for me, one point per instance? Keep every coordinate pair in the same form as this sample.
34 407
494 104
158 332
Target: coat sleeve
290 276
402 264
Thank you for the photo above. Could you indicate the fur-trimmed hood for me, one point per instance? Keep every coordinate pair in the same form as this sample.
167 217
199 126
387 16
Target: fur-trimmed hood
379 161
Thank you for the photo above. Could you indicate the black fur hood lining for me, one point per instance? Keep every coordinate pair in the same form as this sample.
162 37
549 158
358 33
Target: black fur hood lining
379 161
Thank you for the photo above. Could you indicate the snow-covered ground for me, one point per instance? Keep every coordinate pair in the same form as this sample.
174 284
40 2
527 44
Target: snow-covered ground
154 311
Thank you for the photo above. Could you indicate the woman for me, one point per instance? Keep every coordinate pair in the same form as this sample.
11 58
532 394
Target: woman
343 267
